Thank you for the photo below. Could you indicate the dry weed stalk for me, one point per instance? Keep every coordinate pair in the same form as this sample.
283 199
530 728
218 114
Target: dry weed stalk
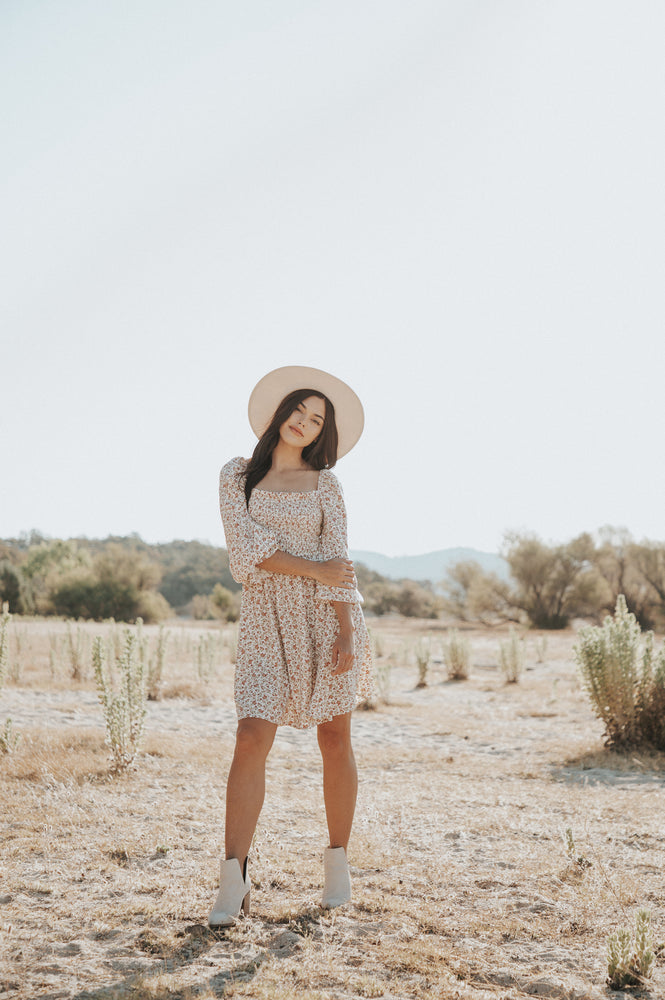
156 666
75 646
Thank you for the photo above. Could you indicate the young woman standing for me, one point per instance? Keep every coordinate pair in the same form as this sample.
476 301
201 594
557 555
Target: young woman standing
303 651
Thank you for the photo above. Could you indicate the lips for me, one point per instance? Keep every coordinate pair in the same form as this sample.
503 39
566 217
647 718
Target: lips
295 430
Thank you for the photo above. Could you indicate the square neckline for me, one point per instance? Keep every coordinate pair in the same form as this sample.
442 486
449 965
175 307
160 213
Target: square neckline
257 489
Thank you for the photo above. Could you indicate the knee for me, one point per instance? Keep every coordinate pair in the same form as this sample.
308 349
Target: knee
334 741
253 738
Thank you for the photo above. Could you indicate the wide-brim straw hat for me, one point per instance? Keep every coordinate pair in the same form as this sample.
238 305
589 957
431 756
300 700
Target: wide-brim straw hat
269 392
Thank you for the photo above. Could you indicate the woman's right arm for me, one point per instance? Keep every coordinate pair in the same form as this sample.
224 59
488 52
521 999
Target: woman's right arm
331 572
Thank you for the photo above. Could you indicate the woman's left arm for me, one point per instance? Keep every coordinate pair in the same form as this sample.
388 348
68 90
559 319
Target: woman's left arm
334 543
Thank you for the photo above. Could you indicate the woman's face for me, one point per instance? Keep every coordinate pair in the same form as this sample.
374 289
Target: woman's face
305 423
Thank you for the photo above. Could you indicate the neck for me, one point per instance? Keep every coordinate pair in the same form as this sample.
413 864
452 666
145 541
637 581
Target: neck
285 457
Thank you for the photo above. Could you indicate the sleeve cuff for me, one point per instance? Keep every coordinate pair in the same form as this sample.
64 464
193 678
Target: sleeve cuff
341 594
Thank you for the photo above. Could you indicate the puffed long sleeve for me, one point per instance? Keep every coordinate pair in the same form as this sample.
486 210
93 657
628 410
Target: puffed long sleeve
248 542
334 544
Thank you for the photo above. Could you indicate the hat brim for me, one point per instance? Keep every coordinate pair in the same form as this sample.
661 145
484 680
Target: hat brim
269 392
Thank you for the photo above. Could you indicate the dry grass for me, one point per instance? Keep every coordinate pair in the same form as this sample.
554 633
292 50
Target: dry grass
463 885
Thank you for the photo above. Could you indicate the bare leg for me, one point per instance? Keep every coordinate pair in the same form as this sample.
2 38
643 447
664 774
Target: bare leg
245 788
340 777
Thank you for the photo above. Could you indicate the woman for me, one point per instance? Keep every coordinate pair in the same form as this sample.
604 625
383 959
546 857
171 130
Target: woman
303 651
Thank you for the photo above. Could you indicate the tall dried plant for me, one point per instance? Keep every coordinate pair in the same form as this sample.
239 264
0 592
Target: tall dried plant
511 657
456 655
422 654
121 686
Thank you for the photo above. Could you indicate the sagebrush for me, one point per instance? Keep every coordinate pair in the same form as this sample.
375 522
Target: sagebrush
630 956
624 681
121 685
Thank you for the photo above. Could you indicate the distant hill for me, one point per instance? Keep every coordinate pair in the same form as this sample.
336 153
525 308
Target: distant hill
430 566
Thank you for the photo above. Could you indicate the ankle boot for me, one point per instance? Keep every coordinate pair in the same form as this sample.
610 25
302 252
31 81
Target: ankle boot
337 887
233 895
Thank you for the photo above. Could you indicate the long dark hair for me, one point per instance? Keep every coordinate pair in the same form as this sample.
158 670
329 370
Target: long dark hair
320 454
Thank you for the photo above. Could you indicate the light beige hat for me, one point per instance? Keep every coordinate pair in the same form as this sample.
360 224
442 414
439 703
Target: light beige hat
273 387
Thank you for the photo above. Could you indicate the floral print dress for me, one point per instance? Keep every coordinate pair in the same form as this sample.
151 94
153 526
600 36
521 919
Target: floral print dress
288 625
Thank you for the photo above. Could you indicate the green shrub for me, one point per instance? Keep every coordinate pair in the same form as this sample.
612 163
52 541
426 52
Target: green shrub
456 654
124 708
625 684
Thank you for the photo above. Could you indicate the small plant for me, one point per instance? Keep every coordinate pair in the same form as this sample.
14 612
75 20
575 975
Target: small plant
54 654
511 657
579 860
625 684
456 655
75 648
156 665
376 643
125 708
382 679
422 652
4 641
205 657
8 738
540 645
232 645
630 957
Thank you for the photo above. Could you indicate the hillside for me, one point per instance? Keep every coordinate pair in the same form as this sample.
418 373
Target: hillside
429 566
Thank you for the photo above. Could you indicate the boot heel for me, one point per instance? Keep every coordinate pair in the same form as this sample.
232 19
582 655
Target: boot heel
245 905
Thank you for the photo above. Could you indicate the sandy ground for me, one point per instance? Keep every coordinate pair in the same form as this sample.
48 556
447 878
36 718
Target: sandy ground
463 884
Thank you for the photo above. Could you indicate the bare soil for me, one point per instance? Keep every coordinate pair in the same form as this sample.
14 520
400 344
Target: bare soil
464 884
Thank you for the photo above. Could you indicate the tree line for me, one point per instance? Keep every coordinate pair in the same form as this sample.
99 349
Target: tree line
549 585
546 585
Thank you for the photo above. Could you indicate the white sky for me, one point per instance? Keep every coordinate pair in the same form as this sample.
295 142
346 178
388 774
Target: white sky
458 207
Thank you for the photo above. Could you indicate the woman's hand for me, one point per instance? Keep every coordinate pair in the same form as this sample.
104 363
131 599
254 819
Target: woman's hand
335 573
343 652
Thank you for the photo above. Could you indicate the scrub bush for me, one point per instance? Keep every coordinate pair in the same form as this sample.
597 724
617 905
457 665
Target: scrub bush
625 683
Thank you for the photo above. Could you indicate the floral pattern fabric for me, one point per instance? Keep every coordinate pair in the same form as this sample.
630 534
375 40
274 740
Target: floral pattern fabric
288 625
